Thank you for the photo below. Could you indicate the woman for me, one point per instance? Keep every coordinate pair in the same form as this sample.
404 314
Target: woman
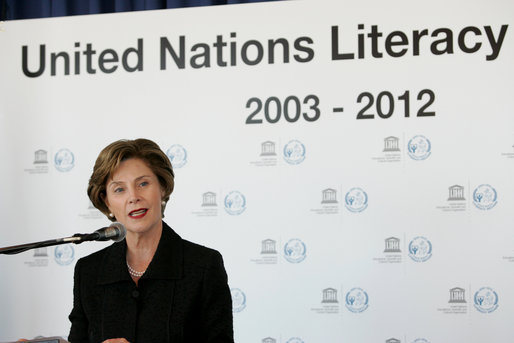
153 286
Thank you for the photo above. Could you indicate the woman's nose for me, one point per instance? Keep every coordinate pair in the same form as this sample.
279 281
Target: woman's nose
133 196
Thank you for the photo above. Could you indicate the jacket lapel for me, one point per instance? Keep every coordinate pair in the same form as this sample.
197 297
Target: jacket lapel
168 260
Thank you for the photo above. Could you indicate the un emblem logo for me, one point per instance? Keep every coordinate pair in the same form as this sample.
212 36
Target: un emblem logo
294 340
64 254
238 299
419 148
294 152
295 251
420 249
486 300
356 300
235 203
64 160
177 155
356 200
485 197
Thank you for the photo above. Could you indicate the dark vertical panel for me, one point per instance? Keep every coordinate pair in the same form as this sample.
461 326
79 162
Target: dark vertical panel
4 10
29 9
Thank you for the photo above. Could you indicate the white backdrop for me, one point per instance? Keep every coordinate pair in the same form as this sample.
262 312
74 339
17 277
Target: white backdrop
333 228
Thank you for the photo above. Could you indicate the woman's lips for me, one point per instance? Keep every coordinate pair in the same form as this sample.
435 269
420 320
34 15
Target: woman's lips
139 213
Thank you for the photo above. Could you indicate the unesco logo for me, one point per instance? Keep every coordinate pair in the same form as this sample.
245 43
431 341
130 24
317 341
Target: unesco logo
456 193
268 148
485 197
356 300
238 299
419 148
268 247
420 249
295 251
64 254
64 160
40 156
457 296
391 144
235 203
356 200
177 155
330 296
294 152
209 199
392 245
486 300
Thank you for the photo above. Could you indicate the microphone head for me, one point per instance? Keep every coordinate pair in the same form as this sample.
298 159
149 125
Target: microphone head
121 231
116 232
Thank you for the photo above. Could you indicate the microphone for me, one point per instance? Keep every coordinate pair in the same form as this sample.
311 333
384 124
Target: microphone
116 231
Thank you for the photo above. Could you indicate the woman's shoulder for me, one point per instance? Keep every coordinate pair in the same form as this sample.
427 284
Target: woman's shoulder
198 249
196 255
193 252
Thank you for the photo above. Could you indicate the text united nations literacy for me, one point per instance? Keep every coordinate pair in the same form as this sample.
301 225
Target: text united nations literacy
228 51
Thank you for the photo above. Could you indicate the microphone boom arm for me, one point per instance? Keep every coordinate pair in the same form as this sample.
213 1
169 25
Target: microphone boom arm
77 238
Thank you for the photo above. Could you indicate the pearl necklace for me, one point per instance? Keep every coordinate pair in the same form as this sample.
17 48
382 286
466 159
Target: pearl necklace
133 272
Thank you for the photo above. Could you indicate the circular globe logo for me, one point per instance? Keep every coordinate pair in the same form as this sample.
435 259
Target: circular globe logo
64 160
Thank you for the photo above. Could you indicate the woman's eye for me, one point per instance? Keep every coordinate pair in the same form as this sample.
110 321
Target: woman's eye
118 190
144 183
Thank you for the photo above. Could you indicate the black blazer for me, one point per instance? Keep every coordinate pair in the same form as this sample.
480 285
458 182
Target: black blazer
182 297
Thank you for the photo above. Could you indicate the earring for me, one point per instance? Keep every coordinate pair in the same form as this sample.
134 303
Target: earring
163 203
111 215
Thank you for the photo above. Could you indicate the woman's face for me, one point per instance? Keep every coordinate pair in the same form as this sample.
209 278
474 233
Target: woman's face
134 195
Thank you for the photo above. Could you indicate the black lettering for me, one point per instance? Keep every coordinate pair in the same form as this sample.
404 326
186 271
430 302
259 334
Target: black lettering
180 60
336 55
244 52
89 54
25 61
360 42
285 50
107 56
309 51
462 39
374 35
391 42
53 62
416 36
496 44
446 42
139 57
77 59
219 45
204 55
233 51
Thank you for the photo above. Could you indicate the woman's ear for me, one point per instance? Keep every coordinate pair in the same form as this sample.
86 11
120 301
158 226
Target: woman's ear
106 202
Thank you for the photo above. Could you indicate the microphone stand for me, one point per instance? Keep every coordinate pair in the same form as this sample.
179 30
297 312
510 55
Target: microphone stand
76 239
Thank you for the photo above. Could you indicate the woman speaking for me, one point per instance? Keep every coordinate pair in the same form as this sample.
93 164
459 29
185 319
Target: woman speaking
153 286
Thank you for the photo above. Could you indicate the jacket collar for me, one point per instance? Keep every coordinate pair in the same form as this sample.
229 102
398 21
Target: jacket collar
167 262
